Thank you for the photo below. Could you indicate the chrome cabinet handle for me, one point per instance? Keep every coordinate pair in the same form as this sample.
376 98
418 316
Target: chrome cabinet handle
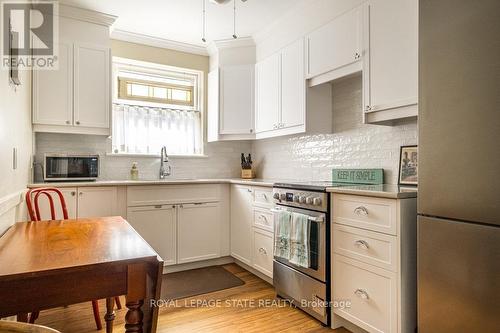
77 122
67 122
361 293
81 193
73 193
361 211
368 108
362 243
264 196
262 250
157 206
357 55
249 190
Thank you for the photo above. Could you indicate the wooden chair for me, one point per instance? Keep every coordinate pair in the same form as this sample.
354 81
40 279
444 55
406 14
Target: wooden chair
36 216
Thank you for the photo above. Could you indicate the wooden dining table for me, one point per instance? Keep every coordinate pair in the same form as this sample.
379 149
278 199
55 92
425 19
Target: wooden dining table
56 263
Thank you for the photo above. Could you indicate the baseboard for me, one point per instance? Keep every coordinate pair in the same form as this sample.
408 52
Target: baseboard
198 264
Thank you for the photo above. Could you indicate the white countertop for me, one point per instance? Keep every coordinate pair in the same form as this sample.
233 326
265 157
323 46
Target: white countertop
380 191
253 182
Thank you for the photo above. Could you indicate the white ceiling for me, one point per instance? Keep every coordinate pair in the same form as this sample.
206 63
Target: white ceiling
181 20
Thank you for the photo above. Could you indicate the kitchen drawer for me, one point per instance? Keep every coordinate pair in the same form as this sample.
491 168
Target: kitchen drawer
367 246
369 213
372 292
263 196
171 194
263 251
264 219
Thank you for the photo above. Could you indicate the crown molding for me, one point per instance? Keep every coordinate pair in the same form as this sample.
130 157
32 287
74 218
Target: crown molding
138 38
86 15
220 44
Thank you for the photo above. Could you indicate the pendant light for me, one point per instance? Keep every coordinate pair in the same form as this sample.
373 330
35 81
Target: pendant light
203 39
234 19
204 16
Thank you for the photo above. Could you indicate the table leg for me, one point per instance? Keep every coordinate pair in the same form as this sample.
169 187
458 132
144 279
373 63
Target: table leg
134 316
110 314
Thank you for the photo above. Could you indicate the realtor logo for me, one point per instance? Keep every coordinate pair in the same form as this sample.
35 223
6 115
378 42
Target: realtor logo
29 34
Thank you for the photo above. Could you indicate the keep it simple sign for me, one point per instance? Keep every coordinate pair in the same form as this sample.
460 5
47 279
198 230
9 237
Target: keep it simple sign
358 176
29 32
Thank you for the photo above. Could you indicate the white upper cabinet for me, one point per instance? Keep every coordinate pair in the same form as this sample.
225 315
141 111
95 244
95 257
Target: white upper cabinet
268 94
293 85
390 64
335 45
75 97
92 86
53 91
237 99
231 95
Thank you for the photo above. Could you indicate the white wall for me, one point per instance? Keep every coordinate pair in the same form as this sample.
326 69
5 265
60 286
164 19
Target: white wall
352 145
15 132
307 16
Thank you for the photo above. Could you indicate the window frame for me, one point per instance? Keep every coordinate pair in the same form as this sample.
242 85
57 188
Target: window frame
155 69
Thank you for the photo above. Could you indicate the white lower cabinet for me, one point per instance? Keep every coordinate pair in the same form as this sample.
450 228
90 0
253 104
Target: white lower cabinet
263 251
198 232
241 223
157 225
372 292
96 201
69 195
252 227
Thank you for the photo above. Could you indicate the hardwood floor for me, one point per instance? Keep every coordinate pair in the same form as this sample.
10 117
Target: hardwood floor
231 310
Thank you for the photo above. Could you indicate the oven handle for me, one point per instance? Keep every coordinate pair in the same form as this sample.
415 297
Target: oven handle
318 219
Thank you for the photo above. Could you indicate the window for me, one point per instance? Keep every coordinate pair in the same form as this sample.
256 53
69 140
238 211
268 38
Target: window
154 106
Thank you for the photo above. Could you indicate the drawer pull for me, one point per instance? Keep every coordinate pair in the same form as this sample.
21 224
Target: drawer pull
361 211
157 206
262 250
362 243
264 196
361 293
263 217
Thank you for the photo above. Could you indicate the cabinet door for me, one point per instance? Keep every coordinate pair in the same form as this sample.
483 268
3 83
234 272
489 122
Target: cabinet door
199 232
96 201
293 89
237 99
390 67
268 93
336 44
241 223
157 225
92 86
263 251
69 195
53 91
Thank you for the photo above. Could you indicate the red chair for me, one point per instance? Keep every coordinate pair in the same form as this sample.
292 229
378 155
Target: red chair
36 216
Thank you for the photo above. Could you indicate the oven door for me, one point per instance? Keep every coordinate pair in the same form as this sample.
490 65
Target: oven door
317 242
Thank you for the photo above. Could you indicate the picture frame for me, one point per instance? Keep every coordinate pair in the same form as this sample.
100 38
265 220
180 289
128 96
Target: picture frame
408 165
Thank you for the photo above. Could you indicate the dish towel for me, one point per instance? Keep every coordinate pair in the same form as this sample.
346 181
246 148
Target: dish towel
299 240
282 241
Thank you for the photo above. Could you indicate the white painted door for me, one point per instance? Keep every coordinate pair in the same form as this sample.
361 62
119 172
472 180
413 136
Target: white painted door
241 223
92 86
293 86
390 69
96 201
268 93
69 195
53 91
237 99
198 232
158 226
336 44
213 106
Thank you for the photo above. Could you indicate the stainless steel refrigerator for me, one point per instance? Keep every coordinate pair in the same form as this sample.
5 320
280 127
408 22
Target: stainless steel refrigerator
459 166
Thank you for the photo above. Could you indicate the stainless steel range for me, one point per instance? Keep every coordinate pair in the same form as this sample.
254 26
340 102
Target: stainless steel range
307 287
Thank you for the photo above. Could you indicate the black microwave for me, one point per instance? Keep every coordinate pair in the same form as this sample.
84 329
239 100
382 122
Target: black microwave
66 167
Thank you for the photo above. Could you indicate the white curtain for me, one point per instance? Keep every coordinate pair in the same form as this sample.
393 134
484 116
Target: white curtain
144 130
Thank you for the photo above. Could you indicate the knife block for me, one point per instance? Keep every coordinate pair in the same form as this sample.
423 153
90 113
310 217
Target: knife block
247 174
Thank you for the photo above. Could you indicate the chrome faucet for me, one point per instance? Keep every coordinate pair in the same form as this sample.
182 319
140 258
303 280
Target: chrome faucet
165 169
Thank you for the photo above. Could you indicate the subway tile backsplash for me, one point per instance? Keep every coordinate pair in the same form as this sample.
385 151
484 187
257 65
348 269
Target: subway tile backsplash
352 144
300 157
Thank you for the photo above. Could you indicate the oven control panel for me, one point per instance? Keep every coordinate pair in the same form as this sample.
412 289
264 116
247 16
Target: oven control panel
300 198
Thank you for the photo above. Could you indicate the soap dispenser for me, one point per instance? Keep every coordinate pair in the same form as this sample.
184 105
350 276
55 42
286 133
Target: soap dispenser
134 172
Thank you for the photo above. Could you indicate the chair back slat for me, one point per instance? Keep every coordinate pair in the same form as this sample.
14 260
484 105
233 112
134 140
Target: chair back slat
33 196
